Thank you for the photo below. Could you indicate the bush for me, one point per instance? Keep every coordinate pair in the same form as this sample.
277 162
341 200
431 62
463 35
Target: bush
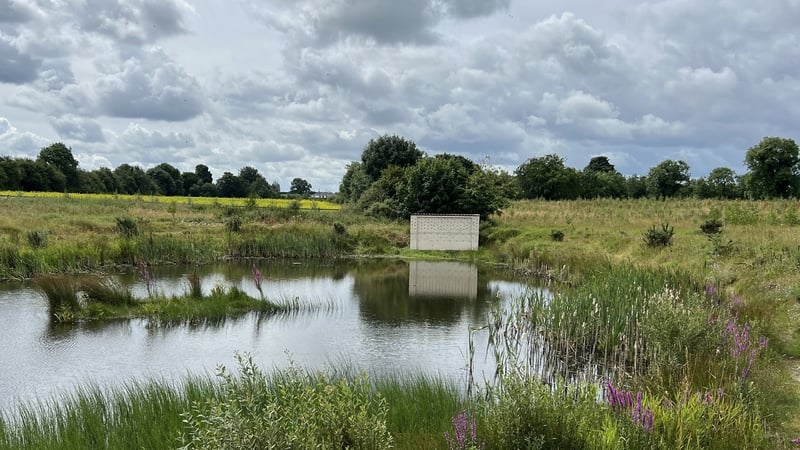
37 238
291 409
127 227
557 235
711 226
659 238
233 223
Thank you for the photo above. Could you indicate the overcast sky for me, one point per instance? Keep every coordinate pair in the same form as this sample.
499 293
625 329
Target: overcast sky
296 88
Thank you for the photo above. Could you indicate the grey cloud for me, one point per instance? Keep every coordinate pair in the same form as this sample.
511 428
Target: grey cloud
56 75
15 11
475 8
78 128
320 23
385 21
150 86
135 22
15 66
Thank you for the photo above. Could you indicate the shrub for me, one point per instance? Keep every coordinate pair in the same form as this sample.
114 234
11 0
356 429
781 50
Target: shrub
339 228
711 226
290 409
557 235
659 238
127 227
36 238
233 223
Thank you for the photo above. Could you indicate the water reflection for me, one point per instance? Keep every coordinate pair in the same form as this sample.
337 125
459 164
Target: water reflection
363 312
442 279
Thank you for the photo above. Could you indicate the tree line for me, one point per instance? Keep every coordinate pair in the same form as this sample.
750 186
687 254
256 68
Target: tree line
395 179
56 170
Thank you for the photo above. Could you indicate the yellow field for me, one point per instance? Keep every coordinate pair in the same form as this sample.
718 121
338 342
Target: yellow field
258 202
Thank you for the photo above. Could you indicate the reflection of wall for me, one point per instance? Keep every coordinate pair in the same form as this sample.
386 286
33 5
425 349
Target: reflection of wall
442 279
445 232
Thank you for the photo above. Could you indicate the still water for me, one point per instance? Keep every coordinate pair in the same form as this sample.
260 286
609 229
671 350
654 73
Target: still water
377 315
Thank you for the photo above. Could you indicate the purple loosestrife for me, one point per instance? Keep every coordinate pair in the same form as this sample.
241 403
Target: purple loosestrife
149 281
465 436
623 400
257 277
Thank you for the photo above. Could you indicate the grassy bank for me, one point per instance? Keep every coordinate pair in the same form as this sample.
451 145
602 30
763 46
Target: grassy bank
73 234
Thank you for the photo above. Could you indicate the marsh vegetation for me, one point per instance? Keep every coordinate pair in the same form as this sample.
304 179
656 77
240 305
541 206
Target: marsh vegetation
686 345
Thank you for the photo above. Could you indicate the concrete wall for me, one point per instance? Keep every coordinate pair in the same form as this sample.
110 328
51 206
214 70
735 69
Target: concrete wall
445 232
442 279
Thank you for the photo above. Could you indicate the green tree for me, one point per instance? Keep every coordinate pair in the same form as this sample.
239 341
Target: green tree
636 186
667 178
600 164
230 185
548 178
384 197
388 151
60 157
255 184
774 168
134 180
721 183
167 178
600 179
354 182
435 185
300 187
203 174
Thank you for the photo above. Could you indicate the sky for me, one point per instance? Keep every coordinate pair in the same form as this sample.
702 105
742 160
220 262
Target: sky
297 88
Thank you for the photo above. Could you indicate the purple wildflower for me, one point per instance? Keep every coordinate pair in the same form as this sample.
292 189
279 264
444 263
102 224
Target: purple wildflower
149 281
623 400
795 441
465 436
257 277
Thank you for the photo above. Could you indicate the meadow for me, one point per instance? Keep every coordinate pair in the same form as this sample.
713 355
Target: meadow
695 338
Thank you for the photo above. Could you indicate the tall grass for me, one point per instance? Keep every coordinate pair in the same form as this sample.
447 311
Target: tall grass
135 416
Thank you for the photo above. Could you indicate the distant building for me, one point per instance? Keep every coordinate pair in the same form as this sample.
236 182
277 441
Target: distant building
322 195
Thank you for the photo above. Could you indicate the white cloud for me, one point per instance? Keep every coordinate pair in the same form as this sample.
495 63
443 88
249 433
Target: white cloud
150 86
19 143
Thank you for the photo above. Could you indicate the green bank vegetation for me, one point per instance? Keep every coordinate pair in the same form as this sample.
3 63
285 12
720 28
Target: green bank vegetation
688 309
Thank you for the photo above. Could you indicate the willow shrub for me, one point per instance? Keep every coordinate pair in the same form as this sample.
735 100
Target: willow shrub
291 409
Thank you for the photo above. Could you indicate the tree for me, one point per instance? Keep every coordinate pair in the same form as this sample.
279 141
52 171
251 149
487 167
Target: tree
203 174
60 157
354 182
600 164
255 184
300 187
667 178
167 178
721 183
600 179
134 180
388 151
230 185
774 168
435 185
547 177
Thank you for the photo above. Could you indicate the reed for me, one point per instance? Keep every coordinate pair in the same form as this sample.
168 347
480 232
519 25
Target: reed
137 415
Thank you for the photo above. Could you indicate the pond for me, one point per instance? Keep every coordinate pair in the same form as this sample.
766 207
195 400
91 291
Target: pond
382 316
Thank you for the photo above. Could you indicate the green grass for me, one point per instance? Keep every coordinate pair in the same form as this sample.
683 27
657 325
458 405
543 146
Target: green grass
145 414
